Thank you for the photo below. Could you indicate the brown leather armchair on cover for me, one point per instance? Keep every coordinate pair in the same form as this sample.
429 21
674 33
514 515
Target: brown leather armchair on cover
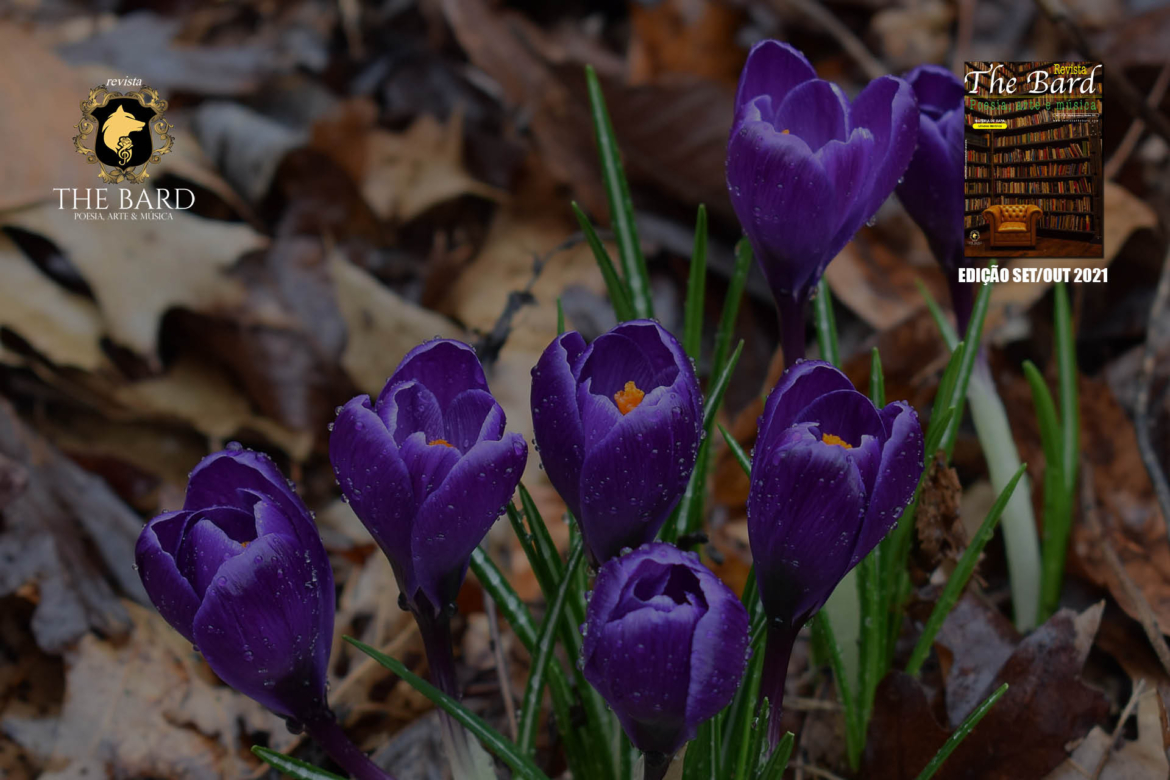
1013 225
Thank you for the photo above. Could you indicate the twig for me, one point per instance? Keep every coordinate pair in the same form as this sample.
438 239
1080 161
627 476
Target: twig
488 347
1145 613
964 32
816 771
1119 86
852 45
806 704
1141 413
1137 127
1138 690
489 607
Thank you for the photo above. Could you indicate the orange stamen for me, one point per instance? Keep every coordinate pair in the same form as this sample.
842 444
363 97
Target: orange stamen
628 398
783 132
444 442
829 438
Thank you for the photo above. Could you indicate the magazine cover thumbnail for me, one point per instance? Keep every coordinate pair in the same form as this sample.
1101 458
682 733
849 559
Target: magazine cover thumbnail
1032 143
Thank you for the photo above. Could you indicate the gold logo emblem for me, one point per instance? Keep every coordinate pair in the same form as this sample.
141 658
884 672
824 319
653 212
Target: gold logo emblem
123 130
974 235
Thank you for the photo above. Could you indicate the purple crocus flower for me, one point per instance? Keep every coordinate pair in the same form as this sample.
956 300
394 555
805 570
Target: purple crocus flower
665 645
806 168
428 468
241 573
932 189
618 425
831 474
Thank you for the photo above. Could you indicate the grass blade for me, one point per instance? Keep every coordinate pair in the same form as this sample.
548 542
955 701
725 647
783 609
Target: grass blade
621 208
960 576
618 295
778 762
292 767
741 715
743 264
965 728
963 379
696 289
824 638
1066 371
689 513
737 451
945 328
578 742
1057 514
545 645
826 323
877 380
560 316
491 739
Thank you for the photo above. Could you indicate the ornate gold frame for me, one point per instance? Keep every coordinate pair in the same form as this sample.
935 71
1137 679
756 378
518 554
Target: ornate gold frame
98 97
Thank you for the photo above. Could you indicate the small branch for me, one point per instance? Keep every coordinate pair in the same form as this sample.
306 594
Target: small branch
1137 127
489 606
1138 690
1141 414
816 771
1145 613
1119 86
873 67
488 347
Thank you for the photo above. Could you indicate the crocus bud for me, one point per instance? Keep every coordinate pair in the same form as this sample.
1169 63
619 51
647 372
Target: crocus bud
618 425
428 468
241 572
806 168
831 474
665 645
932 188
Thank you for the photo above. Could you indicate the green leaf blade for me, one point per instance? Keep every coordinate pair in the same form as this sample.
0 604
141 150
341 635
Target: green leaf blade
621 207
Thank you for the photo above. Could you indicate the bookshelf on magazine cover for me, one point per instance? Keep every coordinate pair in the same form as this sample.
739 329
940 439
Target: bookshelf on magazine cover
1032 146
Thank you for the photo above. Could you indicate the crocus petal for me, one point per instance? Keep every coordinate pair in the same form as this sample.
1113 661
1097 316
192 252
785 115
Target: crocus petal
455 518
804 514
784 200
375 480
472 416
774 69
204 549
611 361
936 88
931 192
264 625
427 464
799 386
556 416
599 415
849 166
897 479
169 591
718 654
888 109
269 519
816 111
445 366
630 482
658 346
847 414
642 668
233 477
409 407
